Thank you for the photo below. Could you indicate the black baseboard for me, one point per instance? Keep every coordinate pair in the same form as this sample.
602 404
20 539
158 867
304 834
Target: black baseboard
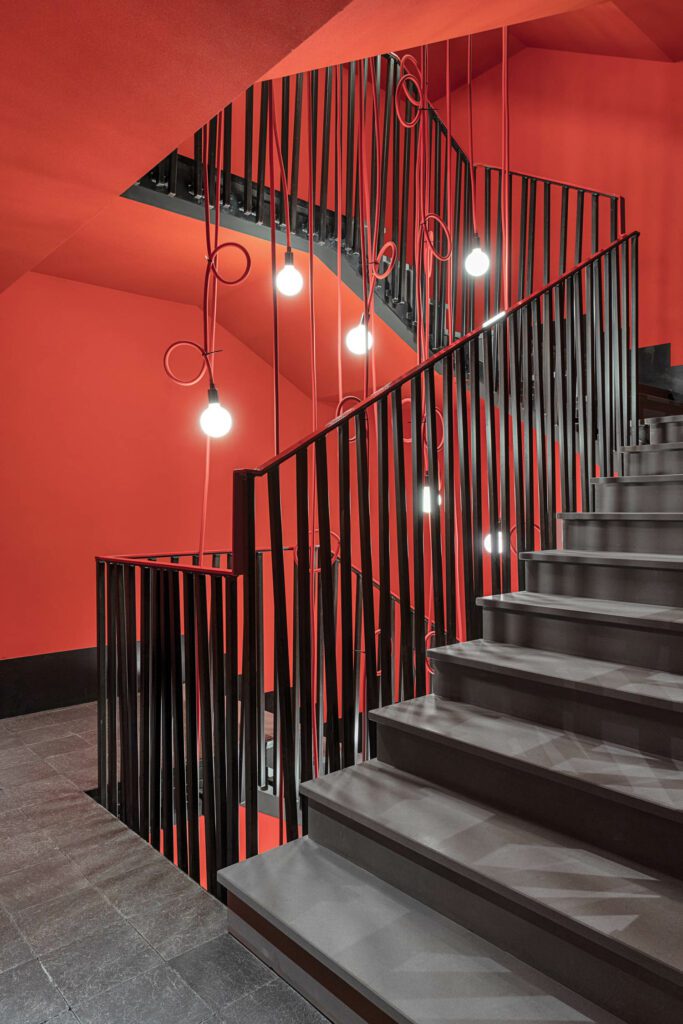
46 681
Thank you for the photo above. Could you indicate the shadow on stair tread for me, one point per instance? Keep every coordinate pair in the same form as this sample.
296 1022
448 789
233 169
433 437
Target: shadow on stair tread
411 963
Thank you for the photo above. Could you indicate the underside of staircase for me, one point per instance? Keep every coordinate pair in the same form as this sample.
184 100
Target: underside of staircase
514 852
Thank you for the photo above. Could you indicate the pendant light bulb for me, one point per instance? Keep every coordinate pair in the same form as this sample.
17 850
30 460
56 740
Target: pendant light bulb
488 543
288 280
427 499
477 262
359 339
215 421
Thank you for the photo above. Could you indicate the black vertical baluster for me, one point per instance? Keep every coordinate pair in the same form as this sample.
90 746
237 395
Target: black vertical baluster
400 492
112 697
244 511
549 419
191 752
598 359
346 605
172 184
207 762
314 124
465 492
460 169
197 176
282 674
227 155
327 600
633 383
304 619
261 165
613 257
231 722
516 397
383 527
546 231
217 662
350 155
296 152
524 201
487 241
155 706
539 421
101 585
491 458
563 229
325 156
284 144
590 385
561 393
450 568
475 457
166 719
395 277
260 689
213 132
248 149
613 218
531 250
434 509
145 665
526 534
386 149
595 222
570 394
498 292
176 689
501 331
579 368
578 247
416 422
364 528
403 295
622 257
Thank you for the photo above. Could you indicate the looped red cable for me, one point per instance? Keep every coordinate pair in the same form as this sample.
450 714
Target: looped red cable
389 246
442 256
212 259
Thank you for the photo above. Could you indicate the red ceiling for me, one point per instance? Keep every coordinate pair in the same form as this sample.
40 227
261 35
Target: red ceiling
95 93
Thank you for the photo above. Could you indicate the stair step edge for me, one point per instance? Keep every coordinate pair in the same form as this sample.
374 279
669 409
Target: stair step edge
659 478
628 559
587 609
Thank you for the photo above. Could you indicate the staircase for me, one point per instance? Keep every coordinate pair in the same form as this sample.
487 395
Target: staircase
512 854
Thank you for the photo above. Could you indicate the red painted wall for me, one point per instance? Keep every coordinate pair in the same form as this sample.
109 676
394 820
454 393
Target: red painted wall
609 123
102 453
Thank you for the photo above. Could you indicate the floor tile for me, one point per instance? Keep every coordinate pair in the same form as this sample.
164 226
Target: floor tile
21 774
32 793
222 971
79 765
59 922
23 851
102 850
276 1003
16 753
151 881
60 745
31 886
158 997
28 996
175 925
14 949
91 965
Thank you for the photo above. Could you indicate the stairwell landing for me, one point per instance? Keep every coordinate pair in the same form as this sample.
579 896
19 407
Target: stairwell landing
514 852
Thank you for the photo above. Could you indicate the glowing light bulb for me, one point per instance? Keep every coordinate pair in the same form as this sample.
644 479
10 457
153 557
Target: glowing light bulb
477 263
215 421
359 339
289 280
488 543
427 499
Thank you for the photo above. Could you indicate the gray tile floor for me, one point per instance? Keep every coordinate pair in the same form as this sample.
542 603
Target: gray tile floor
95 926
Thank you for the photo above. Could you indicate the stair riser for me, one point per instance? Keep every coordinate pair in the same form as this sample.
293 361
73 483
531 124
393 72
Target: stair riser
605 582
594 815
652 730
638 537
626 496
534 939
649 463
606 641
663 433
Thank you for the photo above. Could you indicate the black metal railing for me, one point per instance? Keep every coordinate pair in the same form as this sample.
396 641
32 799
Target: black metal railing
437 482
175 761
552 224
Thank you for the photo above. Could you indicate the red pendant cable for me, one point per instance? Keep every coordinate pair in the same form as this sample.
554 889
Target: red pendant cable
473 177
505 164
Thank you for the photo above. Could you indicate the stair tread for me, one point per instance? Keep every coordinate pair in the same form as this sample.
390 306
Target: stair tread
660 446
627 909
665 618
655 420
657 517
416 965
627 682
654 782
640 478
642 560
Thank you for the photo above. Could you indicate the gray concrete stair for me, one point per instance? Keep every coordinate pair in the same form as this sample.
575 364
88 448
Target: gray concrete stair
362 950
635 707
662 493
645 532
651 459
664 429
618 798
607 575
645 635
523 887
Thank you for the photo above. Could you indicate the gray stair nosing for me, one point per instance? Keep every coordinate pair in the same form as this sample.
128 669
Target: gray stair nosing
625 559
659 478
382 716
582 614
601 941
622 517
657 420
581 686
649 449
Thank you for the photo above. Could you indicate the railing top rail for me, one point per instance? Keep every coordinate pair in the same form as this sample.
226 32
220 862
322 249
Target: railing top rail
554 181
433 360
146 563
